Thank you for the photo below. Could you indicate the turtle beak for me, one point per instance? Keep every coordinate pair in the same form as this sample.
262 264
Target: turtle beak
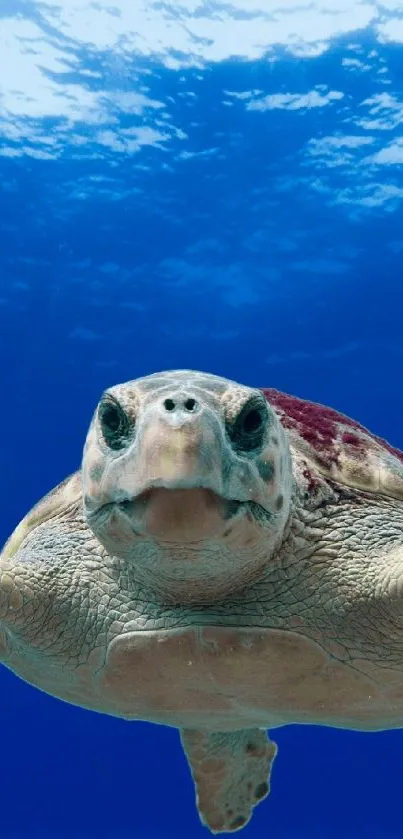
172 450
181 457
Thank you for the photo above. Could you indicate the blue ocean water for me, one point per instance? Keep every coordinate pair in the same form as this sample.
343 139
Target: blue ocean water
214 185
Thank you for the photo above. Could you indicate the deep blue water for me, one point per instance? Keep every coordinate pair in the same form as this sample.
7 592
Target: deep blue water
208 185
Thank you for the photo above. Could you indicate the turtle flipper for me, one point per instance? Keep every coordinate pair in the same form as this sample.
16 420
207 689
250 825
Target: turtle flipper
231 771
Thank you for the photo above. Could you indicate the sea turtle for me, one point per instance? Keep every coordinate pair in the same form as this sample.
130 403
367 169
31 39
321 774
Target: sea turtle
227 560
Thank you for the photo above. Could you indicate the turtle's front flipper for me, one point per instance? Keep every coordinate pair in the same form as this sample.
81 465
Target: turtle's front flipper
231 771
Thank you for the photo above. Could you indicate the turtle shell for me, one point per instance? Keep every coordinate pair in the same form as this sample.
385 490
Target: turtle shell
337 447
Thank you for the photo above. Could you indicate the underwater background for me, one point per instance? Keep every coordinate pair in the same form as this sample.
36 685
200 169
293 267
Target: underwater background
214 185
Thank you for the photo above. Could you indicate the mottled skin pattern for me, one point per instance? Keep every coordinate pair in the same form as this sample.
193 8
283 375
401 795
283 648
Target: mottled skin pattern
226 561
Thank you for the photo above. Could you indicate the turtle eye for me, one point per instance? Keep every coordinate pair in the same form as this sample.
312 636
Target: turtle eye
247 432
113 422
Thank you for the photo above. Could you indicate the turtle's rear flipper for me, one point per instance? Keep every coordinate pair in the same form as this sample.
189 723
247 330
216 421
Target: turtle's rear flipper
231 771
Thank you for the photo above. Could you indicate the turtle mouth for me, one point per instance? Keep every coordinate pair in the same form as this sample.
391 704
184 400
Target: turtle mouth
175 515
179 495
179 515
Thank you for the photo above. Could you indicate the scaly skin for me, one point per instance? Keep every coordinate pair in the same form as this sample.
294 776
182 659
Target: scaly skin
133 611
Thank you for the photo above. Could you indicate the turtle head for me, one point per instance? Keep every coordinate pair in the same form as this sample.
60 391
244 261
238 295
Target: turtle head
188 478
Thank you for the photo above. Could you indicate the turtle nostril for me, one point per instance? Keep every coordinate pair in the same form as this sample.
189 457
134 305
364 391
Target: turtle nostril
169 404
190 405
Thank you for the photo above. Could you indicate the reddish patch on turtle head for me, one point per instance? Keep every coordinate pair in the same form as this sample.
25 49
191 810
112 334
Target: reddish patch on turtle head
320 426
